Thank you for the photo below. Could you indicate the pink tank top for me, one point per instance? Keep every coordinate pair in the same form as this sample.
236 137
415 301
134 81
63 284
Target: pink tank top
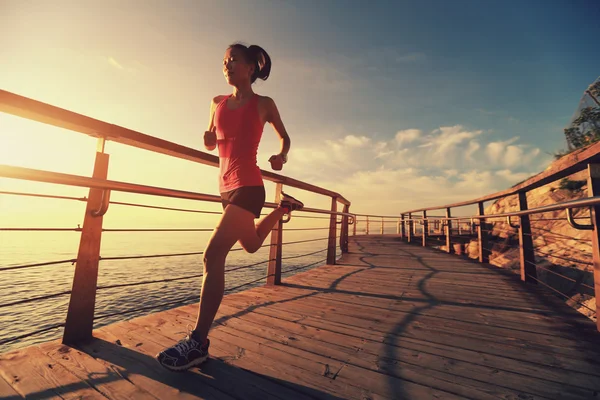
238 135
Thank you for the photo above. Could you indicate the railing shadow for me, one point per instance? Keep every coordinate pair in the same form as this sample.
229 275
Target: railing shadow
580 330
215 379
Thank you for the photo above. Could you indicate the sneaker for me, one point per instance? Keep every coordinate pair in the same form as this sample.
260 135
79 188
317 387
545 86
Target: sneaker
289 203
184 355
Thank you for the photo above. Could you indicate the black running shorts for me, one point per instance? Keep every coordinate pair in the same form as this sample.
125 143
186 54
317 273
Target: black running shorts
250 198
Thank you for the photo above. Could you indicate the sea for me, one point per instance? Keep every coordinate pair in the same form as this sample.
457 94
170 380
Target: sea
120 303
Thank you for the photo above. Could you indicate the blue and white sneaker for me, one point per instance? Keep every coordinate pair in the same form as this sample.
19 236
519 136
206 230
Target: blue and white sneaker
186 354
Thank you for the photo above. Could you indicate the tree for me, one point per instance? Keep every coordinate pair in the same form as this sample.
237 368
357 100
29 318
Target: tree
585 128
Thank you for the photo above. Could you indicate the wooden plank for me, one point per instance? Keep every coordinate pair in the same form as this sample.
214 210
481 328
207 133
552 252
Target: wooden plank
214 374
7 392
144 371
35 375
550 381
481 345
393 315
363 372
346 375
338 348
96 374
509 319
296 382
434 326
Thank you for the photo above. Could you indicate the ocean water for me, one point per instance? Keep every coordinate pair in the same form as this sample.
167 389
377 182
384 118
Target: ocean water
20 248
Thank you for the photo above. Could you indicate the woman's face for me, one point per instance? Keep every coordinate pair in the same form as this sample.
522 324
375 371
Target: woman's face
235 68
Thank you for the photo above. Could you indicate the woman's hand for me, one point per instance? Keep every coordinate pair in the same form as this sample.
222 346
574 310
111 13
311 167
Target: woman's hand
210 139
276 162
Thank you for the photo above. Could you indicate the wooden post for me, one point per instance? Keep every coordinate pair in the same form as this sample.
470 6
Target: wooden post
80 315
425 228
367 224
594 190
275 251
448 231
354 226
528 267
459 230
382 225
403 228
398 227
410 228
482 237
344 233
332 233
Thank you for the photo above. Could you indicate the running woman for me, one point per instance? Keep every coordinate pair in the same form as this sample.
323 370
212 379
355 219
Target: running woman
235 127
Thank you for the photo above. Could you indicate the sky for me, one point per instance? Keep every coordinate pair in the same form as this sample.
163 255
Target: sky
393 104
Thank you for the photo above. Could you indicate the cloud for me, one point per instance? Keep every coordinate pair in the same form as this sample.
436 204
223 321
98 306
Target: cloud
414 168
510 155
407 136
355 141
447 138
511 176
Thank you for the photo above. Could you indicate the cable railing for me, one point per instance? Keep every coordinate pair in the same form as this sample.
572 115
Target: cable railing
564 260
81 315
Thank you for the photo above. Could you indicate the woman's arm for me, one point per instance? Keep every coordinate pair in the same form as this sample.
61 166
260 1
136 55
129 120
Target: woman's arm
274 119
210 136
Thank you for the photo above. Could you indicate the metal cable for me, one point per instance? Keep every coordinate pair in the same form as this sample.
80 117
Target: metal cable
102 316
303 255
41 229
552 272
304 266
564 258
161 230
47 196
150 256
559 292
556 219
14 339
247 283
248 266
72 261
307 216
559 235
177 279
148 282
164 208
304 229
30 300
305 241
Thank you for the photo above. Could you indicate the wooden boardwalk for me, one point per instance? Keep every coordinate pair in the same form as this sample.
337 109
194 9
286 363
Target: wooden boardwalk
390 321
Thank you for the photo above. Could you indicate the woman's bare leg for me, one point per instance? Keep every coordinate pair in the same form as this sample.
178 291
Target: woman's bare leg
236 224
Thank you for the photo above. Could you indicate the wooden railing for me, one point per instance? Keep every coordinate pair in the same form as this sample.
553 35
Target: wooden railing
587 159
80 316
